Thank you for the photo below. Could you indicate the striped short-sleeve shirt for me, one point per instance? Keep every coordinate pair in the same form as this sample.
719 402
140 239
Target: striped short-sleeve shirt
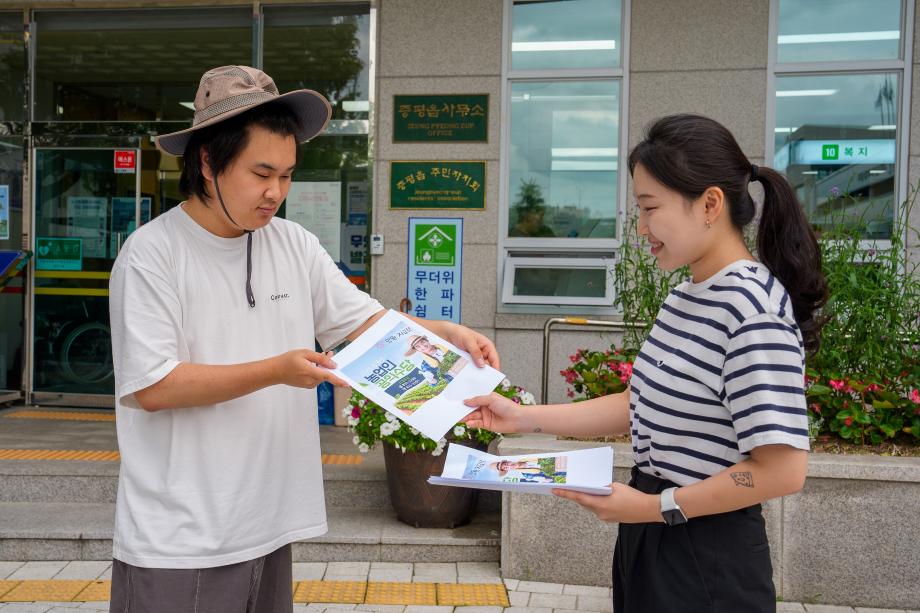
722 372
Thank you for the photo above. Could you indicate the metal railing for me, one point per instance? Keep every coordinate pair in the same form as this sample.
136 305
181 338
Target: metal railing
577 322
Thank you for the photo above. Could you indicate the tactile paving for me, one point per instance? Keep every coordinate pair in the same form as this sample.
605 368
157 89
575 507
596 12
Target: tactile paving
341 592
384 592
472 594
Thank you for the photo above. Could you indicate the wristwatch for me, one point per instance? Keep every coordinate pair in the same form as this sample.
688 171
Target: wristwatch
670 510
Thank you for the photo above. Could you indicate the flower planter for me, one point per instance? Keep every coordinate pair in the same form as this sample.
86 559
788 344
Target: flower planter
418 503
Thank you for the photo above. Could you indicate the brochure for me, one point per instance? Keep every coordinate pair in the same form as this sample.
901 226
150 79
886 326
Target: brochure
417 376
583 470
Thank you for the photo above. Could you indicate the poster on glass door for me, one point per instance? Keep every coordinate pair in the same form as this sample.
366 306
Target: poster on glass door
4 212
123 211
86 219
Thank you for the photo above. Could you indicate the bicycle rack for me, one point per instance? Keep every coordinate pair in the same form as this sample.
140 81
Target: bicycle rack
577 322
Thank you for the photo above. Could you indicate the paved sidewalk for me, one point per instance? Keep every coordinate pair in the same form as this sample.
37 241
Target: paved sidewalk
481 578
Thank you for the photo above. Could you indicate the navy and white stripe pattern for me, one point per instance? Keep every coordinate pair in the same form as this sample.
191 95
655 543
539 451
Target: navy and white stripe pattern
721 372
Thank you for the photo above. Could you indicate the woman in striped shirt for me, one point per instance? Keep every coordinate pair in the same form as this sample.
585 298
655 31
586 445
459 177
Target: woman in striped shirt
716 402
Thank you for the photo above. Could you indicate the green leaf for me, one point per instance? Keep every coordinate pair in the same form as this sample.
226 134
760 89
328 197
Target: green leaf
818 390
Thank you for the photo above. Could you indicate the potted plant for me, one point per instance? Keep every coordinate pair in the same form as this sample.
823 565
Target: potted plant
411 458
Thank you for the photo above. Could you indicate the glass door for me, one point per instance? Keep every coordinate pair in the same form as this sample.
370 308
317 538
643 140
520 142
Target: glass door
12 311
86 204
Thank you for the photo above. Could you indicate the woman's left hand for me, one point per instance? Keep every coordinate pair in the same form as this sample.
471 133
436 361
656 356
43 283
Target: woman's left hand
624 505
481 349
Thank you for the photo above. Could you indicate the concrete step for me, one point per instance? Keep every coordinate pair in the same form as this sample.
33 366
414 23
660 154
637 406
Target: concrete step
83 531
360 486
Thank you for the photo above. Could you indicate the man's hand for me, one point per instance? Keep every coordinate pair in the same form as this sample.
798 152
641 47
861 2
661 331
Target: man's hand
626 505
300 368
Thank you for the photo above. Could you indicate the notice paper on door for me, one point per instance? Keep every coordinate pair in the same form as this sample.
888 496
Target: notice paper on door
417 376
317 206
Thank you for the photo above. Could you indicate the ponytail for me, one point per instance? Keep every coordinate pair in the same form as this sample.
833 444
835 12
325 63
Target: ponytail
690 153
787 246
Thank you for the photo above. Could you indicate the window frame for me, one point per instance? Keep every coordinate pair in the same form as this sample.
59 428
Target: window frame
902 66
598 263
515 250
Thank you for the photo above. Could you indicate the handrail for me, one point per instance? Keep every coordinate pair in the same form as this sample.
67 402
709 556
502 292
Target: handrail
616 326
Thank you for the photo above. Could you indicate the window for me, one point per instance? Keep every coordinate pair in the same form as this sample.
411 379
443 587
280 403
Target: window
838 131
12 67
132 65
561 189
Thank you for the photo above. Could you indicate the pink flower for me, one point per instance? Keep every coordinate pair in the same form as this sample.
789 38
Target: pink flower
569 376
873 387
356 412
624 378
837 384
570 394
626 369
848 421
573 358
914 396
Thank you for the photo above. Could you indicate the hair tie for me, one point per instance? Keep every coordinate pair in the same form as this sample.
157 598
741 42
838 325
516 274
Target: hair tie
754 175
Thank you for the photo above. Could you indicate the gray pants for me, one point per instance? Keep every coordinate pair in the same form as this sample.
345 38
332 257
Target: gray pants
262 585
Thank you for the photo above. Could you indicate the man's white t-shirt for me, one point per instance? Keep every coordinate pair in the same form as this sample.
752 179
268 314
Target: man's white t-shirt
220 484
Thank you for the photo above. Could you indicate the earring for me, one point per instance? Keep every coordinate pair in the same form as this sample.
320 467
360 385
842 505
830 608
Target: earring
708 225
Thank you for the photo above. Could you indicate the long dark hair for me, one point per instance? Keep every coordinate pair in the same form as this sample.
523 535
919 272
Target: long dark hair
691 153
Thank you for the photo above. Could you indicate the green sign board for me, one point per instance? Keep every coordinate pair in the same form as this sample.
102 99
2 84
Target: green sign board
830 152
435 245
441 118
438 185
59 254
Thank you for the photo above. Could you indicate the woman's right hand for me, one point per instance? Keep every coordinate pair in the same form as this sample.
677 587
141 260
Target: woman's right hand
496 413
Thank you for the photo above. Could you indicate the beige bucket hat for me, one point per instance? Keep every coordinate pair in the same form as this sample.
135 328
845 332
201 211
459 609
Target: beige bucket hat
230 90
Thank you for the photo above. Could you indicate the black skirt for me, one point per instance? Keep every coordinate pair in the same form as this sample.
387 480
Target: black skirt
711 564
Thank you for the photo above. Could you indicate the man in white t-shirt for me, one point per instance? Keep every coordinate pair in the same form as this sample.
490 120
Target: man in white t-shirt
216 306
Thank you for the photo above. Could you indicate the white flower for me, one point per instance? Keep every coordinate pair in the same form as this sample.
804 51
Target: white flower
442 442
362 402
413 431
459 430
356 441
438 451
346 412
527 398
390 417
363 448
352 421
387 428
506 385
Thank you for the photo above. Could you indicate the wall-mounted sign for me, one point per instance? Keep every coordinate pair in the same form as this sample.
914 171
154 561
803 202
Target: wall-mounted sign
441 118
868 151
58 254
438 185
125 161
435 267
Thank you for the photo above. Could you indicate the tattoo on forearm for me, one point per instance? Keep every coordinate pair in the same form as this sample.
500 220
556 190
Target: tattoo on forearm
538 429
743 479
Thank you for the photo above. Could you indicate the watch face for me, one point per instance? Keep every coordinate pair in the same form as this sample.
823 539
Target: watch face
673 517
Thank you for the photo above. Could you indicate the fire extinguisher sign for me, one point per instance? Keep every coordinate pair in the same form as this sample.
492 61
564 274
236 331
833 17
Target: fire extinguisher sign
125 161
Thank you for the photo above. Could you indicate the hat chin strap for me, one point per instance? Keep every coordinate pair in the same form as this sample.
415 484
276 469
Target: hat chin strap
249 295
